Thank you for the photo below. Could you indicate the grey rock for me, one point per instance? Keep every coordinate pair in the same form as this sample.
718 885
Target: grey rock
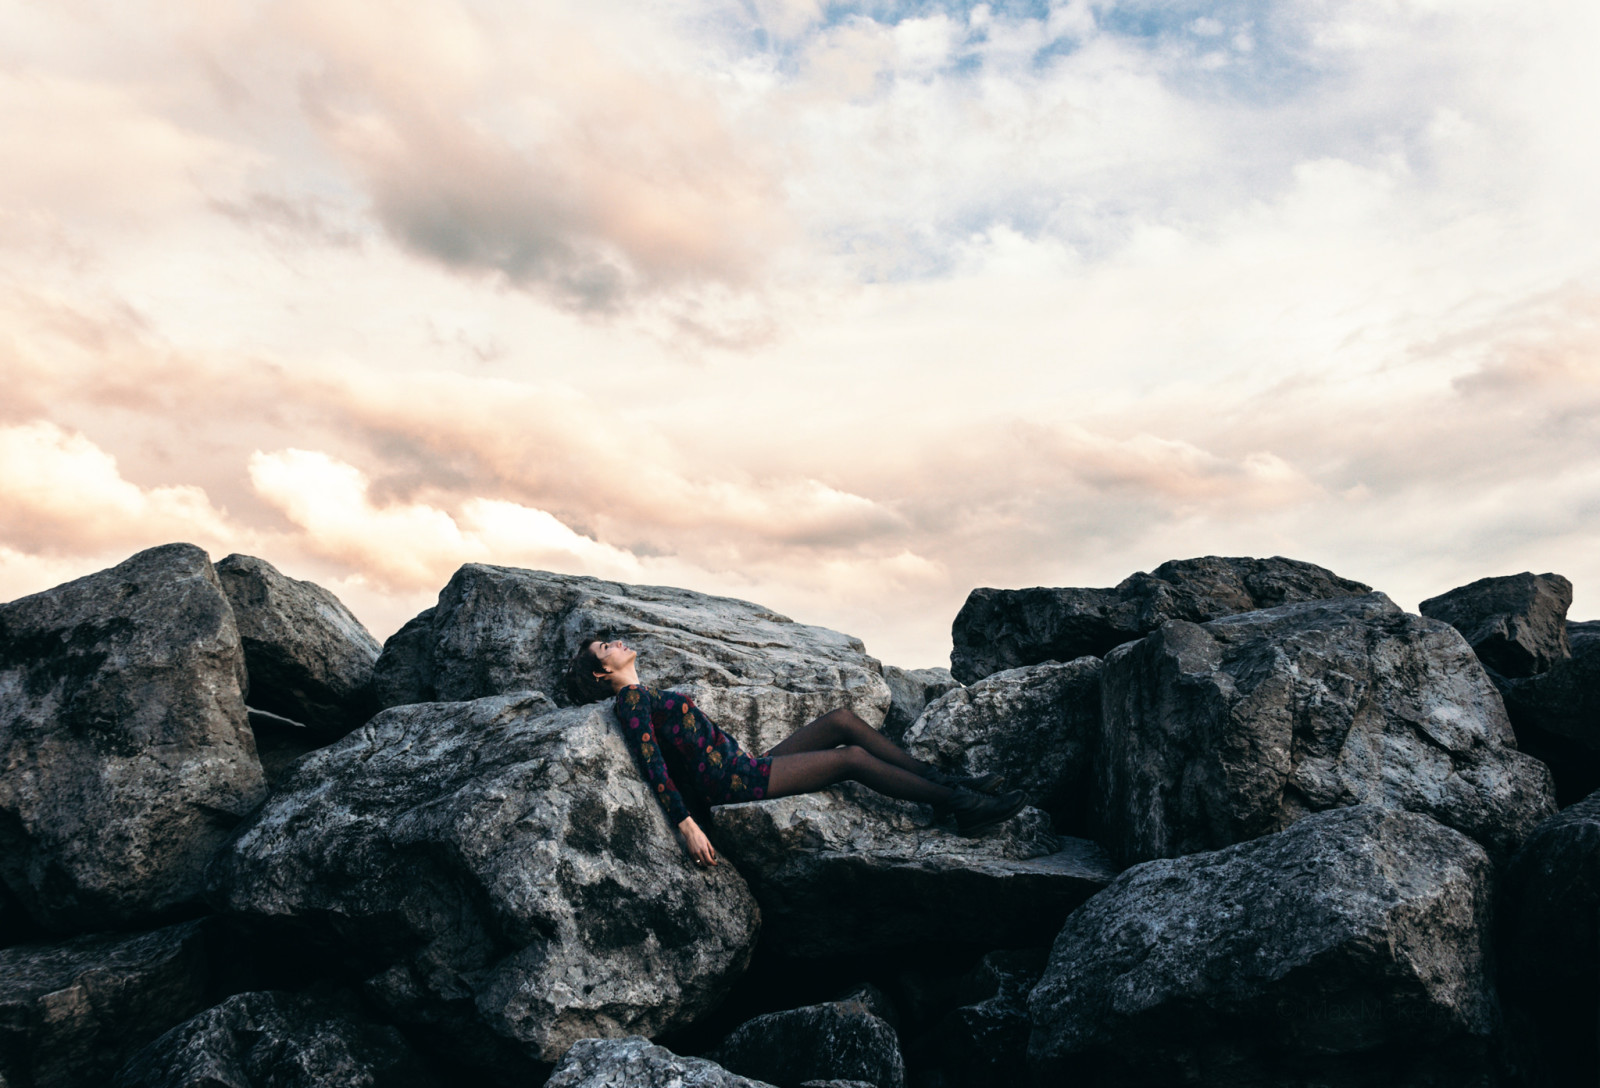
499 872
71 1013
1350 949
910 691
835 1082
983 1043
1517 625
1217 733
1000 629
847 870
127 755
759 675
268 1039
1037 725
874 1001
309 658
837 1040
1556 715
635 1062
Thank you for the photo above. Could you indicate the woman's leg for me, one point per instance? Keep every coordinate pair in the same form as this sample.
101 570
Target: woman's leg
842 726
807 772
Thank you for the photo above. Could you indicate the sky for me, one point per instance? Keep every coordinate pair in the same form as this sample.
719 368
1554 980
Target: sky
843 308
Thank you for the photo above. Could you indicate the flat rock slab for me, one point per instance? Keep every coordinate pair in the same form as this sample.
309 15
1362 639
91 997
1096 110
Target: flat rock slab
759 675
1000 629
836 1040
1351 949
71 1013
1217 733
498 872
309 659
848 870
267 1039
1517 624
127 755
635 1062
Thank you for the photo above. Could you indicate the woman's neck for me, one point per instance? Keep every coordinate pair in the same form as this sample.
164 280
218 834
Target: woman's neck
624 678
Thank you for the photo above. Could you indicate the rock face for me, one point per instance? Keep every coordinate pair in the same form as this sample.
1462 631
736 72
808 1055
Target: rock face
309 659
1517 625
1007 628
837 1040
1217 733
71 1013
1556 715
848 870
984 1042
123 738
1349 950
498 873
910 691
759 675
1036 725
634 1062
267 1039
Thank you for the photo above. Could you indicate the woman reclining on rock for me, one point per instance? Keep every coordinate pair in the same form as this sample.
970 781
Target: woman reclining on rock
669 734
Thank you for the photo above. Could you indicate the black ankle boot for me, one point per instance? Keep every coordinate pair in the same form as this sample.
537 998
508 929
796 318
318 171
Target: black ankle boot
984 783
974 812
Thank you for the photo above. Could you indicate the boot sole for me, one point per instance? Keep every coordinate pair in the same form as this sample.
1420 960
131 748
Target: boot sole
974 829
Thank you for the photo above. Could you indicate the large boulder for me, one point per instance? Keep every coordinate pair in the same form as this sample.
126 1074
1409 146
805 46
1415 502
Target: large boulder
1007 628
982 1043
836 1040
309 659
498 873
126 754
910 692
759 675
1037 725
635 1062
71 1013
1350 949
1517 625
1550 948
1556 714
268 1039
1219 732
849 871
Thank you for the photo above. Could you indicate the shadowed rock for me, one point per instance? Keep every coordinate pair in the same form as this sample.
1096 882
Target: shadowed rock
127 757
1556 714
634 1062
1217 733
268 1039
1348 950
849 870
309 659
983 1043
1036 725
759 675
71 1013
1008 628
910 691
1517 625
499 875
837 1040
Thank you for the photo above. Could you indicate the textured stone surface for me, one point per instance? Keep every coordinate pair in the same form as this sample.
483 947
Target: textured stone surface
910 691
837 1040
1551 901
983 1043
1556 715
848 870
1217 733
634 1062
275 1040
1349 950
1007 628
499 872
127 758
71 1013
758 675
1517 624
309 659
1036 725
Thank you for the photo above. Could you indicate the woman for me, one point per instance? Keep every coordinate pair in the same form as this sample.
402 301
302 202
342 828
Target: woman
666 728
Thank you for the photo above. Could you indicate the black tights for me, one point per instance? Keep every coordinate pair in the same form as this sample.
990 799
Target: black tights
812 758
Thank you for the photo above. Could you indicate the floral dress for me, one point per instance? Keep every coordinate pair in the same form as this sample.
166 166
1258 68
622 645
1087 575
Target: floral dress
667 726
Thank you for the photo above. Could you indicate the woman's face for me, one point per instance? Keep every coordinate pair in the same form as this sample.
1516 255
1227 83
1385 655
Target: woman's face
613 655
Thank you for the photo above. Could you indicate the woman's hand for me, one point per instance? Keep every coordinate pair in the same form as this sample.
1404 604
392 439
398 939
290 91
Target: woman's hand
700 847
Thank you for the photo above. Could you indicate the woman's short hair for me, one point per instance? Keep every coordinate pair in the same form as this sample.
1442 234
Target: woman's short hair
582 684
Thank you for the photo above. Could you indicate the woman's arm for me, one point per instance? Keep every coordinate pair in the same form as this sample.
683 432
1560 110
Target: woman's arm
700 847
633 711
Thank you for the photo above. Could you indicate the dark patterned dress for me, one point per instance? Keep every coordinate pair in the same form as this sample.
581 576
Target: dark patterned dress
670 736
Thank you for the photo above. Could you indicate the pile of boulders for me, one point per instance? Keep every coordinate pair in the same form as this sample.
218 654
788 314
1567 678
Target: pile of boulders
1280 832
